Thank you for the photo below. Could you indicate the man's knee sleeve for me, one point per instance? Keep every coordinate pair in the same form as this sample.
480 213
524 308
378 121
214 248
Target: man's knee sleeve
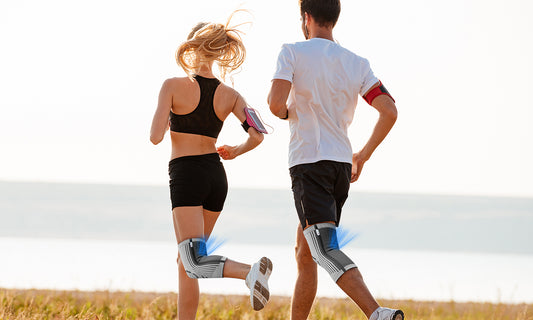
322 241
197 263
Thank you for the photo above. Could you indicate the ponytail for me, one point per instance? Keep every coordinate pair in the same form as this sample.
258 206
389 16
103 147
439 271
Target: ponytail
209 42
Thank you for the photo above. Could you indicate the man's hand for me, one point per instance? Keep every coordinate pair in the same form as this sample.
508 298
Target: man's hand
357 166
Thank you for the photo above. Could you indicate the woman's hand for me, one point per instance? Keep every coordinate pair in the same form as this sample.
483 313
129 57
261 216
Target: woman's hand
228 152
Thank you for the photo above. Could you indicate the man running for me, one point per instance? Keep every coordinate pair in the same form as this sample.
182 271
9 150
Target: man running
315 87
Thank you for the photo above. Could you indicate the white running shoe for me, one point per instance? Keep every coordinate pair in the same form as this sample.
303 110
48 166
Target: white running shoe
387 314
257 281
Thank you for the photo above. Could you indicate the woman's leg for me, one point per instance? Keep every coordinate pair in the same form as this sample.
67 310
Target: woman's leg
188 294
232 269
188 303
195 222
256 277
190 222
188 290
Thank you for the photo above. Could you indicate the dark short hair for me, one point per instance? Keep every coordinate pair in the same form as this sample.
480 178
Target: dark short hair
325 12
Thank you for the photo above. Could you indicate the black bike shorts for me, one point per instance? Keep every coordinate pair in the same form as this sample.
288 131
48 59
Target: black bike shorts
198 181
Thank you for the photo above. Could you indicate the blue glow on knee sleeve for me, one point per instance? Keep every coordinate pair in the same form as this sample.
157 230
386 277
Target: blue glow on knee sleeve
345 236
213 243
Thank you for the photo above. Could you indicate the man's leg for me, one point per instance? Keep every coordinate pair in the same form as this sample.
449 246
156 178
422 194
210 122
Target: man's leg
306 280
351 282
323 245
320 190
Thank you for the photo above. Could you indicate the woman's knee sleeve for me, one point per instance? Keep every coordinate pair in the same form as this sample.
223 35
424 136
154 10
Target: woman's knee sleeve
197 263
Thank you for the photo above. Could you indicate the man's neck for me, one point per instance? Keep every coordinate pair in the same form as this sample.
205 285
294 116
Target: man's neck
323 33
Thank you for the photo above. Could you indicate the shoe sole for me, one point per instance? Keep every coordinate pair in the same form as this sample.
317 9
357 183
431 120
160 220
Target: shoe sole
398 315
261 295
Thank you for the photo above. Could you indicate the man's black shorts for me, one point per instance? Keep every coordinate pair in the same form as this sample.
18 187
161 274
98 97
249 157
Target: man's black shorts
320 190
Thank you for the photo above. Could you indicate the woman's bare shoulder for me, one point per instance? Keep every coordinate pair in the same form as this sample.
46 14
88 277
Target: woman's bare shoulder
177 85
178 81
228 92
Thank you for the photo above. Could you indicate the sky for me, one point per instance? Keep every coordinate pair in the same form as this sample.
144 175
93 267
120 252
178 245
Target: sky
79 82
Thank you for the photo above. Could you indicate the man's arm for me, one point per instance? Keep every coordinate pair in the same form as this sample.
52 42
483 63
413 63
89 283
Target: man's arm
387 117
277 98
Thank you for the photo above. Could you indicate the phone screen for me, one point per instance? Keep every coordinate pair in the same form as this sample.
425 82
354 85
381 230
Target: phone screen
256 120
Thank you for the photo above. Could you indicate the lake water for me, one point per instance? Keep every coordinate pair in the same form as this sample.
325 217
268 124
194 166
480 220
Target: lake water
88 237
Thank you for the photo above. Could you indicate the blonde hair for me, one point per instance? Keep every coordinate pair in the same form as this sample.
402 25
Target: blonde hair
209 42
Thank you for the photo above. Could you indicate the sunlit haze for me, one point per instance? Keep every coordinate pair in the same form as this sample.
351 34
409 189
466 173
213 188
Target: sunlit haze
79 83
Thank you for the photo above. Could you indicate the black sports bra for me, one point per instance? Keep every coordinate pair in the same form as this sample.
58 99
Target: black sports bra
202 120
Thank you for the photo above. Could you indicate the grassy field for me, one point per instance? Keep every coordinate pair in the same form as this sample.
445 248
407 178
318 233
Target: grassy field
42 305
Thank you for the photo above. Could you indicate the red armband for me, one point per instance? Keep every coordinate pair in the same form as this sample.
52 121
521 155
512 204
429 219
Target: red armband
377 91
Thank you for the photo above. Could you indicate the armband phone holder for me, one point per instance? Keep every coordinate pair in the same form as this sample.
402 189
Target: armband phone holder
253 119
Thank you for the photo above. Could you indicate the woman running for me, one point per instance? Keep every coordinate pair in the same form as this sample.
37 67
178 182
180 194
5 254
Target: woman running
194 109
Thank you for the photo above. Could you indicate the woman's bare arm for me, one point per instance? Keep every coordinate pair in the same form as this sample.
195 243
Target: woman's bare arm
254 137
160 123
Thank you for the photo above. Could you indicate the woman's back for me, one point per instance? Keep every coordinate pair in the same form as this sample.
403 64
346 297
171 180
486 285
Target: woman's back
195 107
198 110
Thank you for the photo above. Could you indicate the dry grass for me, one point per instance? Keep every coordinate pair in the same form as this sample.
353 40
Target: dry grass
39 304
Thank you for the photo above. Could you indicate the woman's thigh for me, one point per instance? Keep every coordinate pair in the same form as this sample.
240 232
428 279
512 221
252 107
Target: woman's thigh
193 222
188 222
210 218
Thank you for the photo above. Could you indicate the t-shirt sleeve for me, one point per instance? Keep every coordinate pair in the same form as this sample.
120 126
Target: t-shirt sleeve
368 77
285 64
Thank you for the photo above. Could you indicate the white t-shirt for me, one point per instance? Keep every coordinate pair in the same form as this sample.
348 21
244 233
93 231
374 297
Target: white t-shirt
326 81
